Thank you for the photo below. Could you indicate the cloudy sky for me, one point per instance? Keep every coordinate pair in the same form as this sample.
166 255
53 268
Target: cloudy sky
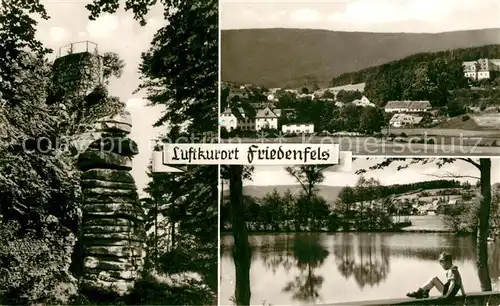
362 15
115 33
277 175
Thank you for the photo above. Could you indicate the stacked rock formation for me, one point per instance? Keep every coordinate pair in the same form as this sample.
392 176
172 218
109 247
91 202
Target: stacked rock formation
112 216
112 232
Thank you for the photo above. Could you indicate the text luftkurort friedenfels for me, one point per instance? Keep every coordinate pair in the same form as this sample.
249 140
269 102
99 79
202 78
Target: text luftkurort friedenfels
294 156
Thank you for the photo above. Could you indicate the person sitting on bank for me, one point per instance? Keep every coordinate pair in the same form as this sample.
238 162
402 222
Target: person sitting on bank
449 289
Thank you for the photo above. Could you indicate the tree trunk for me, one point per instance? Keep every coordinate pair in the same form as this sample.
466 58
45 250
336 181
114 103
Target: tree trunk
483 226
156 231
241 248
172 235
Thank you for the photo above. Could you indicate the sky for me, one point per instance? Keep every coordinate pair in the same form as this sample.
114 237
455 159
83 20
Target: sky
118 33
427 16
277 175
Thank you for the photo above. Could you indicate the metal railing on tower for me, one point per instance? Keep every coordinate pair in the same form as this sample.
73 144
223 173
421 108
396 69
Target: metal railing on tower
78 47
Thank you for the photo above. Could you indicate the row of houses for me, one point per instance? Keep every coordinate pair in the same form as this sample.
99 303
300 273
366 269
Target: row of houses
260 119
481 69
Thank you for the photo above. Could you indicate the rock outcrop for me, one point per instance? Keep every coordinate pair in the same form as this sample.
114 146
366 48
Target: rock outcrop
112 228
112 233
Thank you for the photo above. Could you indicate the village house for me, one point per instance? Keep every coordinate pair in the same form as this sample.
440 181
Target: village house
298 128
267 119
237 118
229 119
404 120
364 102
306 96
447 207
408 106
247 122
480 69
429 209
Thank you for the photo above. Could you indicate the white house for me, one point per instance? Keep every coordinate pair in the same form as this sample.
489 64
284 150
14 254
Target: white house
228 119
298 128
364 102
400 120
470 69
480 69
237 117
305 96
267 119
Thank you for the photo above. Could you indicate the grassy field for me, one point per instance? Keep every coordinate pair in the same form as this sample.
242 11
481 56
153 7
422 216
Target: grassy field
426 223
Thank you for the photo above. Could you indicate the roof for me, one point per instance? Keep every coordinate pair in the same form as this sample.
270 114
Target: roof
298 123
408 104
405 118
397 104
265 113
420 104
363 101
238 112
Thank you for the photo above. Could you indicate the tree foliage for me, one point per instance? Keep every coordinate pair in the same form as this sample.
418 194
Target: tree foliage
17 36
112 65
39 183
35 263
457 55
347 194
346 96
180 70
424 76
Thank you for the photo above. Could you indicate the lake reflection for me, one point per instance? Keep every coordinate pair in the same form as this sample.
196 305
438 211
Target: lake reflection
330 268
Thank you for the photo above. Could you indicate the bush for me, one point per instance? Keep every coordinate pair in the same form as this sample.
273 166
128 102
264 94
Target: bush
150 291
465 118
403 135
35 263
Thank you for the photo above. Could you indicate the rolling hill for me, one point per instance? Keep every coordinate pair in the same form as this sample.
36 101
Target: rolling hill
297 57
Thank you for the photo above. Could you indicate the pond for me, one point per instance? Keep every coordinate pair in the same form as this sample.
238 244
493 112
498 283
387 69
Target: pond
319 268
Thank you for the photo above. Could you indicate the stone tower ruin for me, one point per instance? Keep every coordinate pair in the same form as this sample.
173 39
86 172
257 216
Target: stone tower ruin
112 234
78 68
